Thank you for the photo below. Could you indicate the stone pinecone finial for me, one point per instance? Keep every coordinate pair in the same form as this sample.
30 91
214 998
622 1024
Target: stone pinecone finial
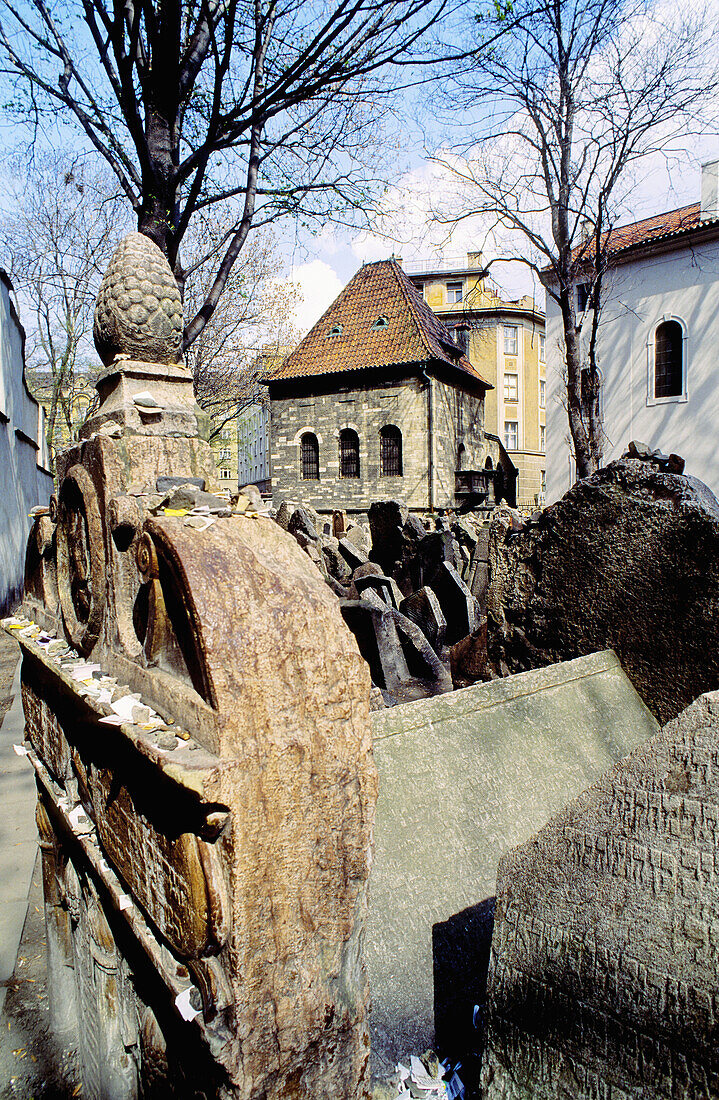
139 310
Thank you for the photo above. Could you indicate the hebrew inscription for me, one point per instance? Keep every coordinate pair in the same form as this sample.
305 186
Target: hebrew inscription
604 977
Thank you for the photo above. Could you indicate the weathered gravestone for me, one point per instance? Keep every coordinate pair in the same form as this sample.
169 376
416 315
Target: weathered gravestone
459 607
205 870
604 979
626 560
464 777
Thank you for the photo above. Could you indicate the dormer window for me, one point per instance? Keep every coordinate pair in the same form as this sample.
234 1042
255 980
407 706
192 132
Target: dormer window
381 322
336 330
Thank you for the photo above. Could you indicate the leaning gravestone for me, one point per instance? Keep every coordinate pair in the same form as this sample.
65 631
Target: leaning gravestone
205 780
464 777
604 979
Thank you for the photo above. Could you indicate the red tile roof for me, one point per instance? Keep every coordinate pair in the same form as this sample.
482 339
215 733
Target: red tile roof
672 223
413 334
650 229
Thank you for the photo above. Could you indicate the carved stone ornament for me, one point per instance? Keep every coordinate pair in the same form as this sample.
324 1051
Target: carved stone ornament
139 309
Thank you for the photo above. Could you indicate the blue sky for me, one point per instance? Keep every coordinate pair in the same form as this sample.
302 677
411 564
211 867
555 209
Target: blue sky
324 263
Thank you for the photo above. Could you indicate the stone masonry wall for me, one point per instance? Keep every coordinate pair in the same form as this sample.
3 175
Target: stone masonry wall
458 417
366 410
605 952
458 421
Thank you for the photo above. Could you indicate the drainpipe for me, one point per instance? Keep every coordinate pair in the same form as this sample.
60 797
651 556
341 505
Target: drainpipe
430 443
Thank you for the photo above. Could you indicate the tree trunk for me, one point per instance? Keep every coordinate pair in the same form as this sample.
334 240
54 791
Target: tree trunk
584 453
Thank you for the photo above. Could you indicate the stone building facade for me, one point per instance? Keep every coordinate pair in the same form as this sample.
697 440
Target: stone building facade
504 341
379 401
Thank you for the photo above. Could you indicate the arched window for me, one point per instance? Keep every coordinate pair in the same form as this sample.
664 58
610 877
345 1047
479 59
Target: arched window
390 451
349 453
310 457
669 360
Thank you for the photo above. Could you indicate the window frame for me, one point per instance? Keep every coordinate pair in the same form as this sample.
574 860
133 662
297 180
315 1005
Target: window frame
454 287
349 435
543 438
542 351
542 393
309 436
508 399
386 433
506 329
515 424
683 396
584 297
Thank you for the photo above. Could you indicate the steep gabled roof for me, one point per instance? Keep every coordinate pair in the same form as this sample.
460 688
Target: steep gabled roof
378 321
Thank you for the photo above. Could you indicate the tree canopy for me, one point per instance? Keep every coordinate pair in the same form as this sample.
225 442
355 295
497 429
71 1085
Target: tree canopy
559 104
258 107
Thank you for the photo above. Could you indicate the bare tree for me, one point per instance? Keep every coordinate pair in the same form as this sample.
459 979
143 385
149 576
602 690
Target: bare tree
574 96
56 244
253 323
268 107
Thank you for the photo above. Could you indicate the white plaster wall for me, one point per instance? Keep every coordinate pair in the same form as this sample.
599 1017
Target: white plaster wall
24 482
685 285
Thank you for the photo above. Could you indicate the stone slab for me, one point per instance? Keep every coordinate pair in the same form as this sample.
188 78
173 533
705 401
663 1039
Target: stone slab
603 974
463 778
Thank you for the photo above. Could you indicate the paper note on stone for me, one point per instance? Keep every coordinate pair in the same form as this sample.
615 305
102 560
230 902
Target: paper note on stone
85 671
184 1005
199 523
124 707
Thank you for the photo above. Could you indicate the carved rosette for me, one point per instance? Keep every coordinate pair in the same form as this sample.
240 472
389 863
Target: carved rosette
139 310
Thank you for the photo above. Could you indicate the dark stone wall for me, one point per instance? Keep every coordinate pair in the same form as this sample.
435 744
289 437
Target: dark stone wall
458 417
628 559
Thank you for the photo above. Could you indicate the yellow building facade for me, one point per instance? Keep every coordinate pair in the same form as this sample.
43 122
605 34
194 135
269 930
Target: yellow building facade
505 341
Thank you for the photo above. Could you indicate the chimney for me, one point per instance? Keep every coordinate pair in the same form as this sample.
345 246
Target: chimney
710 190
474 259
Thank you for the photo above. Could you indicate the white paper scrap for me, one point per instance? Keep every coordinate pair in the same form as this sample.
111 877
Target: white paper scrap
124 901
182 1001
84 671
20 750
75 816
112 720
123 706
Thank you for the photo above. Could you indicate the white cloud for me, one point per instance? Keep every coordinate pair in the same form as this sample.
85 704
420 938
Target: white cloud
319 286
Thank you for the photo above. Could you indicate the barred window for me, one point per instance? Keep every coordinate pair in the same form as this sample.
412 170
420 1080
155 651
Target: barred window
310 457
349 453
390 451
668 365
